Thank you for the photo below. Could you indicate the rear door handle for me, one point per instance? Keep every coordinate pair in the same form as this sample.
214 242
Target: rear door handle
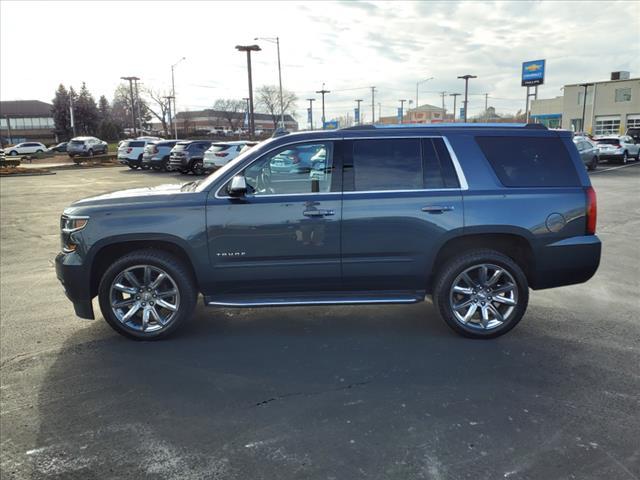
437 208
318 213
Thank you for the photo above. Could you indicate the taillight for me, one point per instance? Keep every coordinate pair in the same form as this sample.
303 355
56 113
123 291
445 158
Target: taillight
592 210
129 149
221 154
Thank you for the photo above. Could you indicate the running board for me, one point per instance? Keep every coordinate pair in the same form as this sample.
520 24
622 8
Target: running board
321 298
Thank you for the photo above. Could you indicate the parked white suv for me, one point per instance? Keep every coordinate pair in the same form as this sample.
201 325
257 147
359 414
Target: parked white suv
221 153
26 147
618 147
130 152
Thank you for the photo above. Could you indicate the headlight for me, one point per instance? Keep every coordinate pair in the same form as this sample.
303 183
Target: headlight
69 225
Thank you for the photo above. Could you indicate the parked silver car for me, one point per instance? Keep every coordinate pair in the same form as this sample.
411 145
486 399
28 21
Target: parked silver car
156 154
588 151
618 147
86 147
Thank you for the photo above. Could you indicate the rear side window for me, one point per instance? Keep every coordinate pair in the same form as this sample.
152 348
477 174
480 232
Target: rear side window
136 144
388 164
439 171
530 161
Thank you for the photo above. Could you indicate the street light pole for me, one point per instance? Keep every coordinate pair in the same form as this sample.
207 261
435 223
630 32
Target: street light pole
133 105
277 42
401 110
173 95
584 103
373 105
249 49
454 95
466 92
311 100
417 85
322 92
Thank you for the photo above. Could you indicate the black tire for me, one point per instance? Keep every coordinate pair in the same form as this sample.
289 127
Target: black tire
39 151
197 167
593 164
171 265
133 167
454 267
13 153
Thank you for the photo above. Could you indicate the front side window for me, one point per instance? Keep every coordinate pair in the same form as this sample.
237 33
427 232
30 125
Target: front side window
298 169
387 164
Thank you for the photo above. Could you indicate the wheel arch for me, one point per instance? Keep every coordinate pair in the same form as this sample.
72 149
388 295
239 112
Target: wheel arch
105 252
513 244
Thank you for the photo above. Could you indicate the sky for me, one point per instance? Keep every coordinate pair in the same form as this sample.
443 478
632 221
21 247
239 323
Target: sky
348 46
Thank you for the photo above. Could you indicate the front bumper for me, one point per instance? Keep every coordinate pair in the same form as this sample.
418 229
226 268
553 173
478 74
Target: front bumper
75 280
566 262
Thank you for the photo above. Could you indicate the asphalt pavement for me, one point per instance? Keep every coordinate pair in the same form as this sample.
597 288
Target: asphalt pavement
373 392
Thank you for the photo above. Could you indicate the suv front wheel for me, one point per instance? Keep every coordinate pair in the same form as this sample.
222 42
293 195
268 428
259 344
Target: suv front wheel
147 294
481 294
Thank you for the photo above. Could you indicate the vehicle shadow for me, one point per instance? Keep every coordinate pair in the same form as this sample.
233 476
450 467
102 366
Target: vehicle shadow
342 392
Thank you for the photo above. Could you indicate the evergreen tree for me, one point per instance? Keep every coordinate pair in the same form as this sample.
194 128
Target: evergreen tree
60 112
108 128
86 112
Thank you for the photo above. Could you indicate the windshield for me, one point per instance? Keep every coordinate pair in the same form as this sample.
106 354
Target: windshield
229 166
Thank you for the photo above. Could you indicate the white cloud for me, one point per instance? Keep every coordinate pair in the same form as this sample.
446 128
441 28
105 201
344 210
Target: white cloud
346 45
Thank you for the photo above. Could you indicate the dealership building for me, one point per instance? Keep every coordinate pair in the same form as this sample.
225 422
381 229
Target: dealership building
609 108
22 120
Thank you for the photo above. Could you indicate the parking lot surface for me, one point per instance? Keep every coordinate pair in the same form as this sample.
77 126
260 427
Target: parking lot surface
316 392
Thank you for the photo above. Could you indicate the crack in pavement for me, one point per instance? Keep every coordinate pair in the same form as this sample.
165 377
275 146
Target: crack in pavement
309 394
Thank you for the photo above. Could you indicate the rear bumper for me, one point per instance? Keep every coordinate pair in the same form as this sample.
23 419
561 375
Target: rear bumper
566 262
76 283
179 162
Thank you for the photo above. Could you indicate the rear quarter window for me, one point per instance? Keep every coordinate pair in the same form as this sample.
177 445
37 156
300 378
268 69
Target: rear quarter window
530 161
136 144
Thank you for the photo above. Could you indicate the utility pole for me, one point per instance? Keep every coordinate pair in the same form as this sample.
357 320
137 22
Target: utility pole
323 92
455 97
401 110
359 119
417 85
373 105
173 95
442 94
73 122
584 103
135 82
466 93
276 40
133 106
311 100
246 99
486 107
169 98
379 111
249 49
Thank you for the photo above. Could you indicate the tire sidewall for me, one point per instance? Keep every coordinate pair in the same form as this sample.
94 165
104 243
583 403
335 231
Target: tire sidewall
456 266
168 263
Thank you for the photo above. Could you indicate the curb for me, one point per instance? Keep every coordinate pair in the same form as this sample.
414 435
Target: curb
27 175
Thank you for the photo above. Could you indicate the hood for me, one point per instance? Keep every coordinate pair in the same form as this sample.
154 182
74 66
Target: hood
133 195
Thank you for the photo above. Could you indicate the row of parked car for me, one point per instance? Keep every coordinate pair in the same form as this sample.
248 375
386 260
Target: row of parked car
196 156
619 148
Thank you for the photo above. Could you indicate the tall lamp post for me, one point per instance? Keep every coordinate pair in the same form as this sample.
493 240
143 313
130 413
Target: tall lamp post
466 91
133 104
323 92
418 85
584 103
276 40
249 49
173 94
455 97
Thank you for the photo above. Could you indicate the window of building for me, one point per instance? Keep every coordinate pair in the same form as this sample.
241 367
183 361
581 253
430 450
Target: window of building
3 123
623 94
389 164
607 125
633 121
530 161
576 124
581 96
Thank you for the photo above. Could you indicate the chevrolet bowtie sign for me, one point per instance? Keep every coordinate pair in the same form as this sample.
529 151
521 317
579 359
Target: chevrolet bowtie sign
533 73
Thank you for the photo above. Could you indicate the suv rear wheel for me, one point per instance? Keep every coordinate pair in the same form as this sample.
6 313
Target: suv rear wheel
147 294
481 294
197 167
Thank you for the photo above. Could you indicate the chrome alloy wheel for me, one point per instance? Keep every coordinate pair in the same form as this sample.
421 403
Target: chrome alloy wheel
483 296
144 298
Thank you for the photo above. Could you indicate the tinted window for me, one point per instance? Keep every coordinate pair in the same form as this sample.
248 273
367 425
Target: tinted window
135 144
77 142
297 169
609 141
439 171
530 161
389 164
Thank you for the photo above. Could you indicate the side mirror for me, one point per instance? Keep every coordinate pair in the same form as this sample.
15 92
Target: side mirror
238 187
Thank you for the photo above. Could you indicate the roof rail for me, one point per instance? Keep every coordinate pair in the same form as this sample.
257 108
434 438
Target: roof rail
539 126
360 127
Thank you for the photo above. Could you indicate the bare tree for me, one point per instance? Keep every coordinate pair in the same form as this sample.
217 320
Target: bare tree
269 99
160 108
231 110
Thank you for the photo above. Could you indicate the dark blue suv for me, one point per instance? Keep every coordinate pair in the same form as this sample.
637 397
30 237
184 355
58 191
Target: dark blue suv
472 216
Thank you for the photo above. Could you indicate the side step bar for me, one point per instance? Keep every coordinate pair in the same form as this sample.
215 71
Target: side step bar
324 298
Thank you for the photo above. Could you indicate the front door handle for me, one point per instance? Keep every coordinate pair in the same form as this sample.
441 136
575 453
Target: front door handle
437 208
318 213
